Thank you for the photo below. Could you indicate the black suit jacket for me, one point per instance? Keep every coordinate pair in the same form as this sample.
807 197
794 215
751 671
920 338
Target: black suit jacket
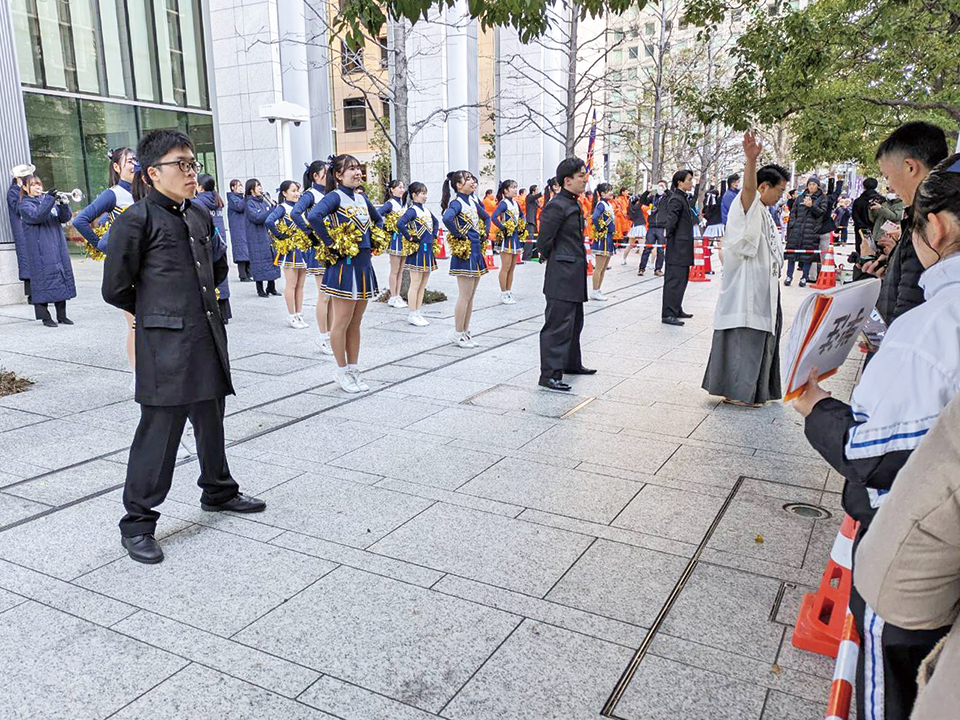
678 226
161 268
560 243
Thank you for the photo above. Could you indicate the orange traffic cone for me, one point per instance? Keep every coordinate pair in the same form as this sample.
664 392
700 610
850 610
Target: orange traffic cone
489 258
820 621
828 272
442 255
707 257
589 247
697 273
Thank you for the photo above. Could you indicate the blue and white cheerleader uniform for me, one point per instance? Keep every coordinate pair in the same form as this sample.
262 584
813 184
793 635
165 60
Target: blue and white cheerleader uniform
509 244
294 259
391 211
419 226
466 218
350 278
108 205
604 245
308 199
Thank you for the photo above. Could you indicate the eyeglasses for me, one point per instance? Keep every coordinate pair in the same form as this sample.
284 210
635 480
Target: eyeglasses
184 165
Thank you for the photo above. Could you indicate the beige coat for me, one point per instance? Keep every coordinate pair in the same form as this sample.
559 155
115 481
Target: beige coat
908 565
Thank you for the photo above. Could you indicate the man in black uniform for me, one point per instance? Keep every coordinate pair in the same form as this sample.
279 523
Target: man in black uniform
161 268
678 229
560 244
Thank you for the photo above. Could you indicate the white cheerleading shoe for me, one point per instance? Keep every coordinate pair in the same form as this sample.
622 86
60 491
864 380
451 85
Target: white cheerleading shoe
293 322
358 380
346 381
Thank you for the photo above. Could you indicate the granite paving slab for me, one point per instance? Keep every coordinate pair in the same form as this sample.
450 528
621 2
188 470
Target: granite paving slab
63 486
713 466
493 549
603 449
318 439
541 671
253 475
781 706
385 411
57 666
396 639
472 425
533 400
658 418
252 578
670 513
14 508
12 419
351 702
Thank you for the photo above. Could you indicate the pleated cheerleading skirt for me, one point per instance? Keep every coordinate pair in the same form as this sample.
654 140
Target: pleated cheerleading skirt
396 245
314 266
603 247
714 231
475 266
296 259
637 231
422 260
511 245
352 278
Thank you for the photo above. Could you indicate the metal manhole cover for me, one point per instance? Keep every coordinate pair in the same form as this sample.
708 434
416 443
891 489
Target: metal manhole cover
805 510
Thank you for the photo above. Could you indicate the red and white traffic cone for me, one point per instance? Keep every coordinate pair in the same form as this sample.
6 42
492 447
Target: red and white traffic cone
828 272
489 257
442 255
697 272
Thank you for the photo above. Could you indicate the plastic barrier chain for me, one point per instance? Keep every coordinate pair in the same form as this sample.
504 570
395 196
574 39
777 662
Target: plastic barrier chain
844 672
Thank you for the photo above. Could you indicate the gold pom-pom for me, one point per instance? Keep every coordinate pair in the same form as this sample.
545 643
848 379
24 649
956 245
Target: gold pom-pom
92 252
459 247
379 239
390 221
437 248
345 238
408 247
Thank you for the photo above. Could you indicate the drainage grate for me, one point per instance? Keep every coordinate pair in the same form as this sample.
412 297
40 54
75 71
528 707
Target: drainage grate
814 512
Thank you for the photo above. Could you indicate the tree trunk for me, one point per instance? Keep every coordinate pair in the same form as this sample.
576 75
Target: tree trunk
570 139
398 80
657 100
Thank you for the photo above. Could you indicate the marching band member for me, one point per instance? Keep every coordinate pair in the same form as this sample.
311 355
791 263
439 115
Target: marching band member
237 223
390 211
291 246
512 233
262 268
209 198
16 227
314 179
604 222
351 228
418 227
468 224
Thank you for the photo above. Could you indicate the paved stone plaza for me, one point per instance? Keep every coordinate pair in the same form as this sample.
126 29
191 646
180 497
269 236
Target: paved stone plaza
455 543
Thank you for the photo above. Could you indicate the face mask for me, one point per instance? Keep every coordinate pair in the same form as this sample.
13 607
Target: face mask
660 190
891 196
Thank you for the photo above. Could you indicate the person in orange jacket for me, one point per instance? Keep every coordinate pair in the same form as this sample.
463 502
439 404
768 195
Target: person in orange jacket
490 205
586 209
621 207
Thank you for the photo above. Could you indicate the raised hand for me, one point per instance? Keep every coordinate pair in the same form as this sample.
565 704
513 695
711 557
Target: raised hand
751 146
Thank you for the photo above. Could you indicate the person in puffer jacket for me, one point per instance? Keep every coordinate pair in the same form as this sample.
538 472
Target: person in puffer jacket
803 229
910 380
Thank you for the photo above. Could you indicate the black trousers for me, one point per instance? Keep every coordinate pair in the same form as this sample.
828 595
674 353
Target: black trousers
243 268
674 286
560 338
154 454
654 236
42 310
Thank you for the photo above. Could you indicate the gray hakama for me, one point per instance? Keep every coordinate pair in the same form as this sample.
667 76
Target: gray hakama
744 364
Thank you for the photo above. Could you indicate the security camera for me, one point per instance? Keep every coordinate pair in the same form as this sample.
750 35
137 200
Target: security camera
284 111
271 120
296 123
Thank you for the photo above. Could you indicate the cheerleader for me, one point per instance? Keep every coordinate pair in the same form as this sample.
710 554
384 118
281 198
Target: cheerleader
390 211
468 224
350 227
109 204
604 222
512 233
51 274
418 227
208 197
290 254
712 214
237 223
637 213
256 208
314 179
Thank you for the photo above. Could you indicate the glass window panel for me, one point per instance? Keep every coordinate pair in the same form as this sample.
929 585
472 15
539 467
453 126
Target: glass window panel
143 49
105 126
119 81
86 52
53 127
200 129
192 39
163 50
50 47
26 29
354 115
176 52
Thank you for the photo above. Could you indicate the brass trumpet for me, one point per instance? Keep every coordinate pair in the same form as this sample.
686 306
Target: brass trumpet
75 195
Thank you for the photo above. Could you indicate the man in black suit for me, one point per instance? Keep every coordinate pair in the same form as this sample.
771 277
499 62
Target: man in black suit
560 244
678 229
161 269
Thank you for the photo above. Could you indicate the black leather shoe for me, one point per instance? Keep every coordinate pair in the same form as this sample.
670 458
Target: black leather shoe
580 371
671 321
65 321
684 315
47 322
143 549
262 294
273 292
554 384
240 504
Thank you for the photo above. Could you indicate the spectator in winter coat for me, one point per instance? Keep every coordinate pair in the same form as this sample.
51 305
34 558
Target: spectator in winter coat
910 380
908 568
861 213
905 160
803 230
733 188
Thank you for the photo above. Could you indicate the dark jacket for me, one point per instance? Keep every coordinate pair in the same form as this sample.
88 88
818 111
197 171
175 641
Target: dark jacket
237 221
712 211
560 243
261 254
16 228
861 209
678 219
51 274
829 203
533 201
900 290
161 268
803 230
635 211
657 219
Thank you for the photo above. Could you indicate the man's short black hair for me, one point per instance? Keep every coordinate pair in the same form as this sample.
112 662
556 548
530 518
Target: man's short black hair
568 168
773 175
733 178
154 145
917 140
533 189
870 184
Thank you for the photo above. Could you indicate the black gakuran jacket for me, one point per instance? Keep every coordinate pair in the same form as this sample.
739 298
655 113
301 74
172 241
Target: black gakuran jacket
161 268
678 219
560 243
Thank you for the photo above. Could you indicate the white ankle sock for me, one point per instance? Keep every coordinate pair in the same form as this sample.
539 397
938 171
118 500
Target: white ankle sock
341 371
353 368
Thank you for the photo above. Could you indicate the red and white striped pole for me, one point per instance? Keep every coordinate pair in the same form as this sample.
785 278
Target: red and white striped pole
844 672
